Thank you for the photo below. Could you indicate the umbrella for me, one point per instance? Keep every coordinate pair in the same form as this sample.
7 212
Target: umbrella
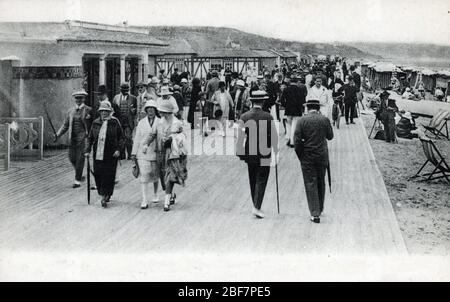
88 186
329 175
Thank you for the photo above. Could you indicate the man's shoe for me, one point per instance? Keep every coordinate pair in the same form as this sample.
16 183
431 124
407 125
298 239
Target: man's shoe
144 205
107 198
173 199
315 219
93 187
352 123
74 186
103 201
155 199
258 213
347 123
166 208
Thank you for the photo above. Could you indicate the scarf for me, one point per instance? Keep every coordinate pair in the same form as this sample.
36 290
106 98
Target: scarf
101 140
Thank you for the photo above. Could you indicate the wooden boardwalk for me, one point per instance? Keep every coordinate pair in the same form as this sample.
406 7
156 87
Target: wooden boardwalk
40 212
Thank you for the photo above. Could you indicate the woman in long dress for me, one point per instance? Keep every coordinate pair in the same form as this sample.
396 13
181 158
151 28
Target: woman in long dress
106 138
222 101
148 169
171 152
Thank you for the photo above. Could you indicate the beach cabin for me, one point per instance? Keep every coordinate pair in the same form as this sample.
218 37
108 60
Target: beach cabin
429 79
43 63
382 74
443 81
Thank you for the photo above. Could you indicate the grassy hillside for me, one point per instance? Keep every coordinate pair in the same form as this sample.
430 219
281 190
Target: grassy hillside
216 37
429 55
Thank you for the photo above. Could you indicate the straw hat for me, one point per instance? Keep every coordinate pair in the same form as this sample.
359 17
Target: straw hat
184 80
153 81
105 106
165 106
259 95
165 91
313 102
149 104
79 93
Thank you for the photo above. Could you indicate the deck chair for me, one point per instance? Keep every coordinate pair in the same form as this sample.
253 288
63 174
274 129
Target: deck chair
436 159
437 124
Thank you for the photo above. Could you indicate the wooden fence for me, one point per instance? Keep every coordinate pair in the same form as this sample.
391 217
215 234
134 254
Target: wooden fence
5 147
26 137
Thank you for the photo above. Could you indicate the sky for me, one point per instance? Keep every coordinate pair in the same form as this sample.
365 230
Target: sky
410 21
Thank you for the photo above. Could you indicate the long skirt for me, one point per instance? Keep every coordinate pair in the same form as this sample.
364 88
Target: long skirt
105 176
176 170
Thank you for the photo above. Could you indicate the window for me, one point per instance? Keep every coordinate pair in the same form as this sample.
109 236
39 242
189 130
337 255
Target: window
215 64
228 64
179 63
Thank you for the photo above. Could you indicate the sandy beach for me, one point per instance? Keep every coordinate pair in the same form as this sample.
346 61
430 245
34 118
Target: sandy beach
422 208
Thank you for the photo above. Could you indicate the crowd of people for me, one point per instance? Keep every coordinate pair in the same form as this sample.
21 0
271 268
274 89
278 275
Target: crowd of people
149 128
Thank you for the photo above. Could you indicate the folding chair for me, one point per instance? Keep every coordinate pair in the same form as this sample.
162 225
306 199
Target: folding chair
436 159
437 124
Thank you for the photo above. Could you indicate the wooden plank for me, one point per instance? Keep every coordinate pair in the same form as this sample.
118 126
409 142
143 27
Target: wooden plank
40 211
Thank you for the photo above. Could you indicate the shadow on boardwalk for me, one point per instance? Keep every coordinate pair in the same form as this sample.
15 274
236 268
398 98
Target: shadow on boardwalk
39 211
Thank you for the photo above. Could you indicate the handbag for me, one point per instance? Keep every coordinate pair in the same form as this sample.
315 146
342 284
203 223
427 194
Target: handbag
135 169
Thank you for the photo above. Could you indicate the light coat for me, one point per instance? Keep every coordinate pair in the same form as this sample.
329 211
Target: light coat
142 131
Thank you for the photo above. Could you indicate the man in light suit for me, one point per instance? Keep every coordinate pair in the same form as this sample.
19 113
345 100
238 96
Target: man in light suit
127 105
257 129
320 93
78 124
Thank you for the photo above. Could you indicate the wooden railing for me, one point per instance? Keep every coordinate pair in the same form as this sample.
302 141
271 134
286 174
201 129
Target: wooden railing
5 147
26 137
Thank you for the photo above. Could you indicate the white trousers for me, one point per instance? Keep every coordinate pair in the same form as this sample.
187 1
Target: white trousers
291 124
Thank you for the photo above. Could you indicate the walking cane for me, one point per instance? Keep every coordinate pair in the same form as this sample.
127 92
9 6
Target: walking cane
88 172
49 120
329 175
276 181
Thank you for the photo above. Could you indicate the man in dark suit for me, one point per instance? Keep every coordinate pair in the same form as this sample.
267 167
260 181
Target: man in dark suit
350 100
127 105
357 80
310 139
78 124
257 129
292 99
271 90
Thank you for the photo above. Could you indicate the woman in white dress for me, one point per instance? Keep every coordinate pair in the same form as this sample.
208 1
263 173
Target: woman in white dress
222 101
148 168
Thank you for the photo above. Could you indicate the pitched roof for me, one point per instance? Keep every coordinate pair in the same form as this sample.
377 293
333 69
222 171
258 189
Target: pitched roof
284 53
79 32
177 46
264 53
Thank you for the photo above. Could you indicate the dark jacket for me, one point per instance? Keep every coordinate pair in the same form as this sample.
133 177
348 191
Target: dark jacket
195 97
130 117
350 94
292 100
357 79
258 143
87 118
386 112
114 138
271 90
310 138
